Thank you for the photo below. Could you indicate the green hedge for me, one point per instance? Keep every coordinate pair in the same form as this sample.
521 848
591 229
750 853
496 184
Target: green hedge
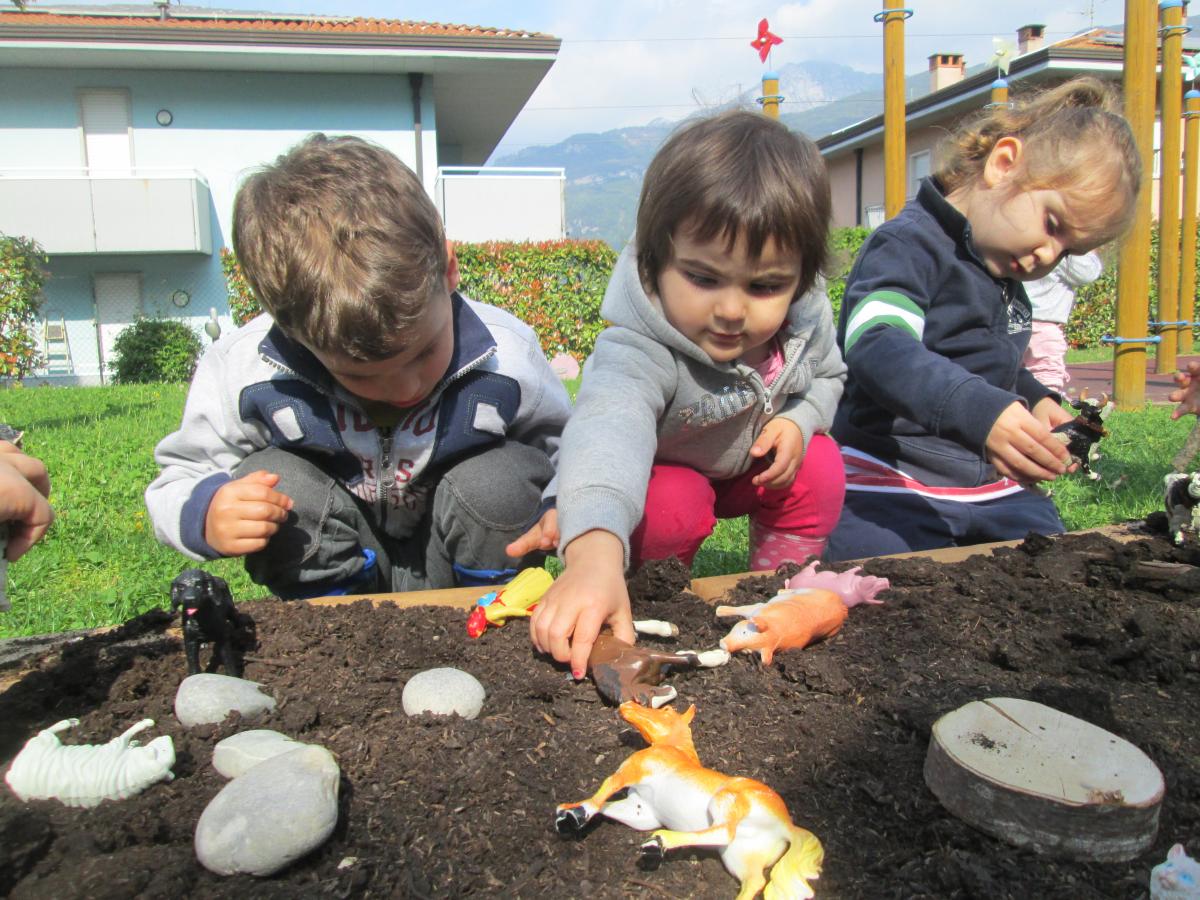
1095 311
555 287
155 350
1093 316
21 278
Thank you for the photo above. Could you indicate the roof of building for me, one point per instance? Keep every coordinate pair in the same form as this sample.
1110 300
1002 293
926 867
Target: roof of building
1100 50
195 17
479 77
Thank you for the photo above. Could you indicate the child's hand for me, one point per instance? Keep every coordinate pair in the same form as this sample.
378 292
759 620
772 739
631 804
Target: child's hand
1188 393
1050 413
590 593
542 536
24 489
1023 449
785 438
244 514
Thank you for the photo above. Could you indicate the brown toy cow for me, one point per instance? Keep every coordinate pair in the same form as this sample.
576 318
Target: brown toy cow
622 671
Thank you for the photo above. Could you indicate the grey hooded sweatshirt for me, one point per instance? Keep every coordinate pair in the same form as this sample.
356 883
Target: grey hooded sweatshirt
650 395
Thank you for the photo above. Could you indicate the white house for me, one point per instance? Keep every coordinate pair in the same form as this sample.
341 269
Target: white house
126 130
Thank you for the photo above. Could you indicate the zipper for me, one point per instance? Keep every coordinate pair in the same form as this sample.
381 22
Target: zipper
386 475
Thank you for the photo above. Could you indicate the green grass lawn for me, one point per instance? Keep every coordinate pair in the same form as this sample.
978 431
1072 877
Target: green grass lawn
100 564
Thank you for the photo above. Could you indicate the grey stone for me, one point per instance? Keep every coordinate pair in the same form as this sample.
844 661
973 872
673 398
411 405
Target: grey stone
243 751
272 815
443 692
208 698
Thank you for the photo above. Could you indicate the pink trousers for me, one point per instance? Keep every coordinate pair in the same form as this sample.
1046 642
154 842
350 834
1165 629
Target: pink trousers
682 506
1046 356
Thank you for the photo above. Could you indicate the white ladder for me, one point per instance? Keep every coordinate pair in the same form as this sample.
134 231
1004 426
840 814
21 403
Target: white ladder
58 347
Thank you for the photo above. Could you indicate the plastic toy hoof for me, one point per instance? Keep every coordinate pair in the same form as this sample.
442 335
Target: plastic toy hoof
569 821
652 850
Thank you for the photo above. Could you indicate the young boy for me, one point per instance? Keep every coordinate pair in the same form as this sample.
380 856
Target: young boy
374 430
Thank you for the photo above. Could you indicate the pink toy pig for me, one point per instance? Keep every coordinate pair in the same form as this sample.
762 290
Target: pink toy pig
849 585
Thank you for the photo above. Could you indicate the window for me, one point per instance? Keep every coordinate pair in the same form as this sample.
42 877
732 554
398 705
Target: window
104 115
918 168
874 216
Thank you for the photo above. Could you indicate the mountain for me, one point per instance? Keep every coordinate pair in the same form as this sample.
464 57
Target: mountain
604 170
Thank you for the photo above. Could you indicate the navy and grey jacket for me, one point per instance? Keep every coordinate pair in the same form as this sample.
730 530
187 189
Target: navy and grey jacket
256 388
933 344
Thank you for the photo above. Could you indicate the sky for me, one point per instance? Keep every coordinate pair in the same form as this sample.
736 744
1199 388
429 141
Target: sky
629 62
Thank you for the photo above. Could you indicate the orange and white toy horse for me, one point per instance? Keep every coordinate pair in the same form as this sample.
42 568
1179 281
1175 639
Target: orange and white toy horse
790 620
699 807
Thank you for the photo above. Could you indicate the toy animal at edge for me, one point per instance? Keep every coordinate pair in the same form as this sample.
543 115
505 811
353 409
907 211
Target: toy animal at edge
622 671
791 620
1181 496
849 585
85 774
690 806
517 598
1178 878
208 616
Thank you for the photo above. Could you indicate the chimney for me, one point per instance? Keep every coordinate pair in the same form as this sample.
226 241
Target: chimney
945 69
1030 38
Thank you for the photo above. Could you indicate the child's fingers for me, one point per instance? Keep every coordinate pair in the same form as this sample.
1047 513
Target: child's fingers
587 627
259 511
261 493
522 545
31 469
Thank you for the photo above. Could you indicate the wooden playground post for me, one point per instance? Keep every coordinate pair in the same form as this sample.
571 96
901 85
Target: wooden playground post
1168 185
999 91
894 125
1187 250
770 98
1133 275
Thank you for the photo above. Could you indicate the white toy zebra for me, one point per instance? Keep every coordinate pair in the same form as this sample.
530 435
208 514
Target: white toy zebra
85 774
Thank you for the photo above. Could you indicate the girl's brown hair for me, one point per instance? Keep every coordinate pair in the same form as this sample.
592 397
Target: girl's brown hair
736 174
1074 139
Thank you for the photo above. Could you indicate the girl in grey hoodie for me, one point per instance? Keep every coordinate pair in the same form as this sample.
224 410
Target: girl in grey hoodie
710 394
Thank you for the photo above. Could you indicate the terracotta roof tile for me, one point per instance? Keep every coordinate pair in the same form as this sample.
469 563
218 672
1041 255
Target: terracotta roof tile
270 22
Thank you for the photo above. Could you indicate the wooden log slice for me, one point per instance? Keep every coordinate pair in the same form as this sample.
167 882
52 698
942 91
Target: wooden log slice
1036 777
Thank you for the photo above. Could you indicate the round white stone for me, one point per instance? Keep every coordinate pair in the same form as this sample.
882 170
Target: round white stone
208 698
272 815
246 749
443 692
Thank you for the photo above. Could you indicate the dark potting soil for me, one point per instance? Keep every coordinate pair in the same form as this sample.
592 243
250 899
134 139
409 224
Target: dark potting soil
445 807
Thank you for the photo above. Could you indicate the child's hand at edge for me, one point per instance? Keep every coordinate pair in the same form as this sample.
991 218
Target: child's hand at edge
542 536
245 513
1022 448
1188 393
787 440
24 489
589 594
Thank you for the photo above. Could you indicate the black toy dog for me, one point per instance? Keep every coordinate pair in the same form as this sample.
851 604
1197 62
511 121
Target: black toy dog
208 616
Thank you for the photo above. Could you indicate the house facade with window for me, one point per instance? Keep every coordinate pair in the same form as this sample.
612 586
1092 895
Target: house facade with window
854 155
125 132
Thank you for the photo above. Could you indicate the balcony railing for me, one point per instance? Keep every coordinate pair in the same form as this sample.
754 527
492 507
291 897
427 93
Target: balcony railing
502 204
74 211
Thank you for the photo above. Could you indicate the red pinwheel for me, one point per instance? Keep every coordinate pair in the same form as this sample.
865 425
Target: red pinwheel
765 40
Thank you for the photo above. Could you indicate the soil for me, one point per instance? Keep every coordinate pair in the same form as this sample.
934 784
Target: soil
445 807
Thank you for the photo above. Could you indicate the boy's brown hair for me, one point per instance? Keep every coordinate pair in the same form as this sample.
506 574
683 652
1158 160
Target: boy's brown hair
1074 140
736 174
341 244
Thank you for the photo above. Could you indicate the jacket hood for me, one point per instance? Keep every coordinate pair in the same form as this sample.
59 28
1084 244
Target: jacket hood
627 304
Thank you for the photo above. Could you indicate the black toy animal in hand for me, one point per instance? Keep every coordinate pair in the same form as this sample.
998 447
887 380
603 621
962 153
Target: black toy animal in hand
1083 433
208 617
